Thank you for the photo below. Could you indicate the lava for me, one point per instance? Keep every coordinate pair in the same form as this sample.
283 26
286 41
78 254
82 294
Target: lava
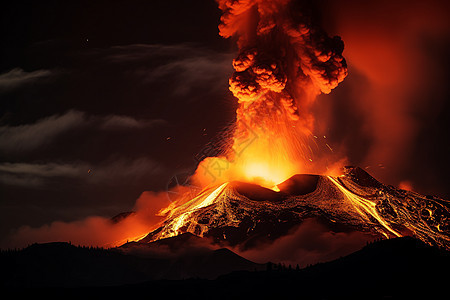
181 215
364 206
235 213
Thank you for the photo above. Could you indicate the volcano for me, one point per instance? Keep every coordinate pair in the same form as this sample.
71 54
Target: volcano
244 214
285 60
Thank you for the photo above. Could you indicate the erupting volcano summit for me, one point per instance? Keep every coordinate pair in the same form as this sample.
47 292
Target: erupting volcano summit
285 61
243 214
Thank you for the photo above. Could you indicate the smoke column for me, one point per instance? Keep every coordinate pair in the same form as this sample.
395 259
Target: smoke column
284 62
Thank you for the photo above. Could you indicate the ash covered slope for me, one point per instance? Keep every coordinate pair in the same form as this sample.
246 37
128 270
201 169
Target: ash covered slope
243 214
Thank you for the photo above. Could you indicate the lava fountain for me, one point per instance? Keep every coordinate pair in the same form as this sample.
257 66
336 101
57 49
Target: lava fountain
284 62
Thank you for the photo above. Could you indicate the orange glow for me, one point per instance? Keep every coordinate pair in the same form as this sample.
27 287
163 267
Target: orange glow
284 63
405 185
264 158
268 146
268 160
264 174
183 212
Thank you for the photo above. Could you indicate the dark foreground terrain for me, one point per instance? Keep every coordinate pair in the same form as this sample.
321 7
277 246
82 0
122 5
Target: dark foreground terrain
397 268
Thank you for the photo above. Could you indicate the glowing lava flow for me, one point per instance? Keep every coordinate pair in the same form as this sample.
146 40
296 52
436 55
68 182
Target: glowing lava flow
182 213
364 206
236 212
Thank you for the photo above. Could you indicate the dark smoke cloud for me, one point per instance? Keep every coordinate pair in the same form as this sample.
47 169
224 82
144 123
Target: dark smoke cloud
282 52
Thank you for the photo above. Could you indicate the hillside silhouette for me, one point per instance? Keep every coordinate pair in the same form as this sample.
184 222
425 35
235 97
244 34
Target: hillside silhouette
64 265
395 268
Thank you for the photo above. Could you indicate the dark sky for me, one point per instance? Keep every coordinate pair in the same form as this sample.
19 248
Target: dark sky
102 100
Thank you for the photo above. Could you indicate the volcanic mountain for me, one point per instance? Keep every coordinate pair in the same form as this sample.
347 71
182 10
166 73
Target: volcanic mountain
244 214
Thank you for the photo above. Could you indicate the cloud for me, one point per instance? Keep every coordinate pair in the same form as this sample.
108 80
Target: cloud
29 137
18 77
106 173
35 175
184 66
44 170
192 72
113 122
124 170
139 52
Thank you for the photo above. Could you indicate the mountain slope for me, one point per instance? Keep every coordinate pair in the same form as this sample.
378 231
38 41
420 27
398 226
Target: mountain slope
65 265
241 213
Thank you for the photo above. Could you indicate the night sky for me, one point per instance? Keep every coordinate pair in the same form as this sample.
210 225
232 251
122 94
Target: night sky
103 100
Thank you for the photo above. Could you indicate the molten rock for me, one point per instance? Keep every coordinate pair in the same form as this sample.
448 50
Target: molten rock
237 213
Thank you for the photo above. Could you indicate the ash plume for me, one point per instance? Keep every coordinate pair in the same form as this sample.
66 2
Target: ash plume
285 61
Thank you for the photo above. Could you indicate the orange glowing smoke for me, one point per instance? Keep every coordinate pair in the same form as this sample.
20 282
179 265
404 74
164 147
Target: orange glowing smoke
284 62
397 75
97 230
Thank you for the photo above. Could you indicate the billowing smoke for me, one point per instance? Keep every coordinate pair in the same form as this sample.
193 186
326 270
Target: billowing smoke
285 60
283 56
